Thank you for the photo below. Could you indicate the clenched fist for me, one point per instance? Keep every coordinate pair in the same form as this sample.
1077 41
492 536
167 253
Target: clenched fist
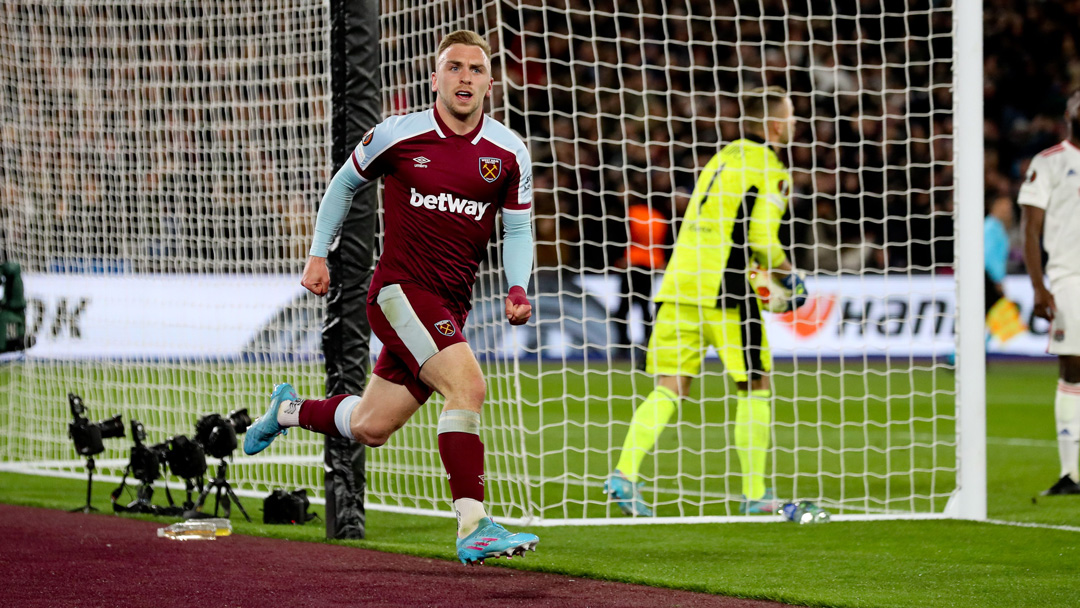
316 277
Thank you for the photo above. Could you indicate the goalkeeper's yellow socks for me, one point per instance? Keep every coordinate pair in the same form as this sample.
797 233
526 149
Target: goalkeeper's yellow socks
649 421
753 415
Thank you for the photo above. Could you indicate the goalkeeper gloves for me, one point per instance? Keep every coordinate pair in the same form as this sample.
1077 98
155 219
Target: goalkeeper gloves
795 286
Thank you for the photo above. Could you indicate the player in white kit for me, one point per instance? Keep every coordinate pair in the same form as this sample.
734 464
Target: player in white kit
1050 200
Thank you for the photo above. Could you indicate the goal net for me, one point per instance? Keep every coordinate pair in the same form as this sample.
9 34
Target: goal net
161 270
161 162
622 104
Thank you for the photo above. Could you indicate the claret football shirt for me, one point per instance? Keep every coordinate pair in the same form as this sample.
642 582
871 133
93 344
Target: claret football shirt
441 194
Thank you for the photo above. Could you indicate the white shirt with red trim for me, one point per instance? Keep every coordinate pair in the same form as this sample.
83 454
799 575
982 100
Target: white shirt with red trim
1053 185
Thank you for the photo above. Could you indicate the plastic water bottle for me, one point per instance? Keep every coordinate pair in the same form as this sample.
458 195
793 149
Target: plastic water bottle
223 527
803 512
197 529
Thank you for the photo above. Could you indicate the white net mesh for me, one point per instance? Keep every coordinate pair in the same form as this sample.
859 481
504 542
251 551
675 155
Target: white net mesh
161 162
621 105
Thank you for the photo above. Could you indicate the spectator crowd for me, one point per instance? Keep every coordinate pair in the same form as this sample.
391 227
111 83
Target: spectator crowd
174 137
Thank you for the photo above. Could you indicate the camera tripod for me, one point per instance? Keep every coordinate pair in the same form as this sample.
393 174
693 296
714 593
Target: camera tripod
223 498
87 508
142 503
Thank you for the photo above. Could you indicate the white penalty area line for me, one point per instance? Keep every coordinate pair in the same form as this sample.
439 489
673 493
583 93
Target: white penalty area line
1026 524
1021 442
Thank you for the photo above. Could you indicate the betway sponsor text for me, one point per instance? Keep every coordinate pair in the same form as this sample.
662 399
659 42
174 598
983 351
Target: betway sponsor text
449 203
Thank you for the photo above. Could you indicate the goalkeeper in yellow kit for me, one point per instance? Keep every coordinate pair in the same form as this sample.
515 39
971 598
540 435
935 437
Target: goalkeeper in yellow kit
731 224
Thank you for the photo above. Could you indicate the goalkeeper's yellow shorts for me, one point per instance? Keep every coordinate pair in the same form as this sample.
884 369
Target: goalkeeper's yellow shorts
682 334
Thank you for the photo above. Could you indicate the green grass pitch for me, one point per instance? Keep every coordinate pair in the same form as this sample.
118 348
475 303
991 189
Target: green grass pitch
890 563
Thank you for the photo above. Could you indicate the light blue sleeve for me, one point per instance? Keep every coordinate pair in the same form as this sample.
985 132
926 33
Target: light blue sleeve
996 240
517 249
334 207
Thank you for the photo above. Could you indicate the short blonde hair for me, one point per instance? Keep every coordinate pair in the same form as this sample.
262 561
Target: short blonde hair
468 38
761 104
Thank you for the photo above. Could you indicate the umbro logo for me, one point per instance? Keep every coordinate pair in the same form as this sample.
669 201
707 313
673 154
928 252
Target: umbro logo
421 162
1071 173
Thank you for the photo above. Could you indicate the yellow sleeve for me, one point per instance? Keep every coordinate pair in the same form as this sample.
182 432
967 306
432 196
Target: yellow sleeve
703 212
766 217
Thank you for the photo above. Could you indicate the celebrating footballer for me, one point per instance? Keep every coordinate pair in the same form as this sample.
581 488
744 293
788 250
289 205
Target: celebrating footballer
447 171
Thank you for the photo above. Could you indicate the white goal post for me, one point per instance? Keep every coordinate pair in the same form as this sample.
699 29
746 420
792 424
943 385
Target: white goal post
161 268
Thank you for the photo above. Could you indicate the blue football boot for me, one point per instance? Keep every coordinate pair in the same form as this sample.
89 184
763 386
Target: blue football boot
489 539
766 505
263 431
627 495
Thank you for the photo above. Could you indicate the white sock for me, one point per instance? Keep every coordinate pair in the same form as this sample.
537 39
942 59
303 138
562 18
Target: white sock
469 513
1067 413
288 413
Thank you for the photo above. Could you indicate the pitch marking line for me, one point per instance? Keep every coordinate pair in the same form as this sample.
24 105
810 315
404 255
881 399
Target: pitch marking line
1024 524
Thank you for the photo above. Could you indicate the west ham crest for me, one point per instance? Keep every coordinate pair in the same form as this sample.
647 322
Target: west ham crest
490 168
445 327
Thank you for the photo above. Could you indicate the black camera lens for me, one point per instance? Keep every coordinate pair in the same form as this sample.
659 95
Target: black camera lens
240 420
186 458
204 426
86 436
113 427
145 465
216 434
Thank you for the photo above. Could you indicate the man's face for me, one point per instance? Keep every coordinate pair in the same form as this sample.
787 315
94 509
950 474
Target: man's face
462 80
782 125
1072 114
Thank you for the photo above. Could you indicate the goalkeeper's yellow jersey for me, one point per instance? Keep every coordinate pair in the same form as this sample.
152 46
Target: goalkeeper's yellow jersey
734 215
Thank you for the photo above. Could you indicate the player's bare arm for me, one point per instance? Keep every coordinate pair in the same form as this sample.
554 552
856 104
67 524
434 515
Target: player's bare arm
1032 228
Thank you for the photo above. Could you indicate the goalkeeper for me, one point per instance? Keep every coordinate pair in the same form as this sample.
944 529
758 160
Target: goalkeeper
732 222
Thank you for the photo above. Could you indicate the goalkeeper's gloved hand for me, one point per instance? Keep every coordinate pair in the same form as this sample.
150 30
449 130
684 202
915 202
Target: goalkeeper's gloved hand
795 285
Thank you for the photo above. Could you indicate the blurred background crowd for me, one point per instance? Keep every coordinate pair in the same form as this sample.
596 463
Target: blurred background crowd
161 137
656 93
180 146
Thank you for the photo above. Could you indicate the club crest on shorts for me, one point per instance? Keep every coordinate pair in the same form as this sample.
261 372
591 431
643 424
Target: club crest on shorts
1059 335
446 327
490 168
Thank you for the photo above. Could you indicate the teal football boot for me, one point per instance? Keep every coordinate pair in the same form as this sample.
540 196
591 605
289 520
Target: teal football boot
489 539
766 505
627 495
263 431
